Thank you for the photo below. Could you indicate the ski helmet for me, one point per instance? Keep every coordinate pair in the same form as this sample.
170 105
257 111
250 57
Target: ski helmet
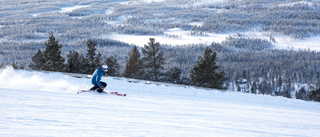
105 67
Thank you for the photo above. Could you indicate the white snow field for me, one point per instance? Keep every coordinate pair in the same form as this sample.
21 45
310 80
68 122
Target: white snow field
46 104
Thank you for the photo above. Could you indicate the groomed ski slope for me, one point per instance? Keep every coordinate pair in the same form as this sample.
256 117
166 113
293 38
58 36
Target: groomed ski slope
46 104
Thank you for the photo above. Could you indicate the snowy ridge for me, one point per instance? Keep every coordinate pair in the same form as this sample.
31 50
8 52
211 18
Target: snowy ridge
46 104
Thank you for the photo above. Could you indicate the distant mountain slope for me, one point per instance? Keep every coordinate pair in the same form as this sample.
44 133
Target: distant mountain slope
77 20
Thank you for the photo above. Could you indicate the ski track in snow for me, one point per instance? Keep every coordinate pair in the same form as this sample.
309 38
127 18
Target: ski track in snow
46 104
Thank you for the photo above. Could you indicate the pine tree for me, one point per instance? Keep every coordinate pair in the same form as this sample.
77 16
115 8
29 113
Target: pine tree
37 61
52 55
254 88
15 65
134 65
302 94
1 65
206 74
114 66
153 59
91 55
315 95
174 74
98 59
279 83
75 62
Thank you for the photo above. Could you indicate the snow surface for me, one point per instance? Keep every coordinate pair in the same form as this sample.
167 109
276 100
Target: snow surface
206 2
63 10
182 37
71 8
309 3
175 36
311 43
146 1
109 11
194 2
46 104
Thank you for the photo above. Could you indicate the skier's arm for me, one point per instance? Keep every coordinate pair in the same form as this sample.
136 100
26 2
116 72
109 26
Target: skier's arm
102 87
98 82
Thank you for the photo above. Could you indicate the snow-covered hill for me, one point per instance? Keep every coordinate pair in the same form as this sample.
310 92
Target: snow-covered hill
46 104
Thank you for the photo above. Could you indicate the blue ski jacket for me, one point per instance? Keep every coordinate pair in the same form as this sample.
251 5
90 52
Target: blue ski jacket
96 76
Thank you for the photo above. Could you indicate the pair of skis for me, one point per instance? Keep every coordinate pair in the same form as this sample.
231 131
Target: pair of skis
112 93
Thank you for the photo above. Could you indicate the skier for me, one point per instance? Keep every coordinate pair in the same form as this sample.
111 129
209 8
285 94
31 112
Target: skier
96 77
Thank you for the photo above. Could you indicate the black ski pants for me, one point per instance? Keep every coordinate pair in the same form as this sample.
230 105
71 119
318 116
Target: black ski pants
95 86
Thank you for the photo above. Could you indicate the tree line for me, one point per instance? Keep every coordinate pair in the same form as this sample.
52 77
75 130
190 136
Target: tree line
150 66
